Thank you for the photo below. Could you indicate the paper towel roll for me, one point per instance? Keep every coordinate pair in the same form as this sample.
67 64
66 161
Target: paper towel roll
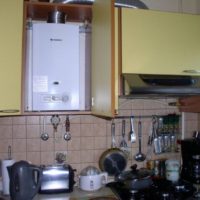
5 176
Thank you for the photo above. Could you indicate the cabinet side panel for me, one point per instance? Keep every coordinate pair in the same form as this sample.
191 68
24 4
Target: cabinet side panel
103 75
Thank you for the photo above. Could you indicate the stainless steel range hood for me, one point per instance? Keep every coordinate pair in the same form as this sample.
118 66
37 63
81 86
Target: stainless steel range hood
119 3
137 85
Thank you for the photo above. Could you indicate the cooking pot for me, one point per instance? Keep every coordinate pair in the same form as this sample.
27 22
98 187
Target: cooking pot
135 179
92 179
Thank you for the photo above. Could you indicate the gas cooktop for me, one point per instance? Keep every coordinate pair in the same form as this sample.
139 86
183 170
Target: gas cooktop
160 190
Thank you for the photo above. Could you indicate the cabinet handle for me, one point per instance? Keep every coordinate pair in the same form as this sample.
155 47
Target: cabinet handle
192 71
9 111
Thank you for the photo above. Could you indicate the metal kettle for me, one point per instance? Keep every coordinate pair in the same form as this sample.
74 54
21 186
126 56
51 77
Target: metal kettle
25 180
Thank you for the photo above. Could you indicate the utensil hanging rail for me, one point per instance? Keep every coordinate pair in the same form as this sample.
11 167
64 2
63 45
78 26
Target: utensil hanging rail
137 116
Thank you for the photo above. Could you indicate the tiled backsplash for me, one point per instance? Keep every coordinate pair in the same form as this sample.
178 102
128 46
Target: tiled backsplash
90 135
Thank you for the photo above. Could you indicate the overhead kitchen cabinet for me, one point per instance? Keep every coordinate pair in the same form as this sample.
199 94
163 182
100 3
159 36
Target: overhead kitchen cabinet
127 40
155 42
104 58
11 19
104 47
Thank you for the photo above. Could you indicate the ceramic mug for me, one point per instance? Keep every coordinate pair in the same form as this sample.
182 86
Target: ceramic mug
93 182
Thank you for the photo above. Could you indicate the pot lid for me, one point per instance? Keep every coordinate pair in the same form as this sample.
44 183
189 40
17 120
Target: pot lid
134 174
90 171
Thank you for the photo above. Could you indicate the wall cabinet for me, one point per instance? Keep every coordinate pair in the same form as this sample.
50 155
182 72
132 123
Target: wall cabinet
39 11
121 45
104 82
11 21
156 42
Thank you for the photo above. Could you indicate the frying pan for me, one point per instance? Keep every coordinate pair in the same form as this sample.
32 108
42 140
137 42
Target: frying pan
113 160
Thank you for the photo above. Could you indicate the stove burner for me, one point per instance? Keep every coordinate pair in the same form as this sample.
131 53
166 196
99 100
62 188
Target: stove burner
133 191
197 195
165 196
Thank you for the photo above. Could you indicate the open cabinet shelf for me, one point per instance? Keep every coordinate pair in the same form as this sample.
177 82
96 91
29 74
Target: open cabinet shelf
74 12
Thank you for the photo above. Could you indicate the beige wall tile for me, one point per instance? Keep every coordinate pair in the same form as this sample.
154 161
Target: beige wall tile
19 131
75 130
125 105
98 120
99 129
87 130
100 143
48 129
47 119
87 156
33 145
5 131
125 112
4 156
74 144
47 145
87 143
4 144
19 120
19 145
137 104
87 119
33 131
33 120
74 157
97 155
34 157
47 158
75 119
5 120
61 145
19 156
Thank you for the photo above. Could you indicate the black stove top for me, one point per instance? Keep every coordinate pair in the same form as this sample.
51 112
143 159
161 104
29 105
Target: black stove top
160 190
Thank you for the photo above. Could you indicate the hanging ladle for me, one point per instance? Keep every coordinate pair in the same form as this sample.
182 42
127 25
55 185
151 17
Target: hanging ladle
140 156
44 135
67 135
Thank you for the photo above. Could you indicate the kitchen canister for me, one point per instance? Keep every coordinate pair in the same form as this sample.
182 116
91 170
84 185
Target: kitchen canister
172 170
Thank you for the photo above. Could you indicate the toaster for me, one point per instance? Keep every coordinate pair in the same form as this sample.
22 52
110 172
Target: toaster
57 179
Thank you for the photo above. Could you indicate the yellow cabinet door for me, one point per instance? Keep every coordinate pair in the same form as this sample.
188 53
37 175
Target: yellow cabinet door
104 73
11 20
155 42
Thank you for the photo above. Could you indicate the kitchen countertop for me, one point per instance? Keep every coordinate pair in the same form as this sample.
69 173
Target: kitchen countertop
77 194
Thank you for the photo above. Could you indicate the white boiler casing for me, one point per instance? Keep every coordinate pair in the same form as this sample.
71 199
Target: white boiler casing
58 67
